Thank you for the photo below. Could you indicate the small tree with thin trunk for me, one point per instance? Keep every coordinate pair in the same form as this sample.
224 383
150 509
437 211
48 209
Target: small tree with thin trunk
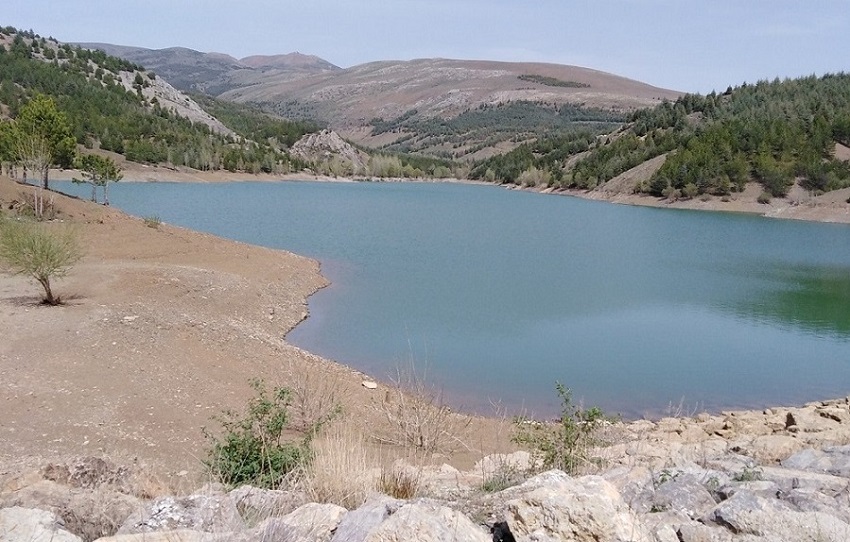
98 171
34 156
28 248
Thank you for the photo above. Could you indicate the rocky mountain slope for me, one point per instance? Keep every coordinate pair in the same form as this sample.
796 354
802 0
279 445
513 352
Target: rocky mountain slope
445 88
453 109
215 73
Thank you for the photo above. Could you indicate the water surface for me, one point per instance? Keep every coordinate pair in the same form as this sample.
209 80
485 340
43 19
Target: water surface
501 293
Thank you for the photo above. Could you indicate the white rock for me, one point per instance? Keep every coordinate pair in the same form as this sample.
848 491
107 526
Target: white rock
30 525
553 507
424 522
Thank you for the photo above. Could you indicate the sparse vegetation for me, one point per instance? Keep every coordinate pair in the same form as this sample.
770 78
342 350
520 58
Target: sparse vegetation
400 481
418 417
749 474
31 249
551 81
251 449
340 470
505 476
566 444
152 221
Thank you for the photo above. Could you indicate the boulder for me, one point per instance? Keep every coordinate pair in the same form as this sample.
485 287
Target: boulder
834 460
684 494
697 532
31 525
553 506
181 535
809 500
521 461
357 524
773 519
772 448
762 488
255 504
427 522
788 479
89 513
312 521
207 513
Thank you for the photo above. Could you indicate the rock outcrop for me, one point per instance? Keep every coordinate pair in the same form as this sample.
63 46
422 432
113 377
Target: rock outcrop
774 476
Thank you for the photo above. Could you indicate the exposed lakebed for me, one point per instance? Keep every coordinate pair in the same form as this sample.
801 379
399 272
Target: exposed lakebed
497 294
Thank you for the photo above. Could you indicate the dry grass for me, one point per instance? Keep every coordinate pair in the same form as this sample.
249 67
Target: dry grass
343 470
400 481
418 417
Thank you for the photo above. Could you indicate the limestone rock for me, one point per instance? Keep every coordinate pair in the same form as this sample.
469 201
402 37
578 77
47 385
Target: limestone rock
328 145
207 513
773 519
553 506
684 494
255 504
834 460
697 532
427 522
31 525
90 513
181 535
517 461
357 524
772 448
788 479
312 521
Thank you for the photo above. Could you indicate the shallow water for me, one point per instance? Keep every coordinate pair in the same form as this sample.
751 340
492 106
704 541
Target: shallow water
498 294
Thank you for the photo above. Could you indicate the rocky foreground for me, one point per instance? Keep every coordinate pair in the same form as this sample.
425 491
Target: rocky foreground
780 475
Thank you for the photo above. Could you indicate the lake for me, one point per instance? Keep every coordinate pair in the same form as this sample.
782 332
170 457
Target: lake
498 294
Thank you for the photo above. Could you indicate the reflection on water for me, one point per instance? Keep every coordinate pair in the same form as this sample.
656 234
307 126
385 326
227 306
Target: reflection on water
815 300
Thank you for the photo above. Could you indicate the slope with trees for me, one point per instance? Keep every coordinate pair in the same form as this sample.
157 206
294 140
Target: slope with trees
776 133
106 104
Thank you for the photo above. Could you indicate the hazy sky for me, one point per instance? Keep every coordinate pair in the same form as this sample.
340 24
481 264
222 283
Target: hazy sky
694 46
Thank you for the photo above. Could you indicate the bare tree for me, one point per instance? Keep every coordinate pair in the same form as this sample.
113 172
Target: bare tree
34 156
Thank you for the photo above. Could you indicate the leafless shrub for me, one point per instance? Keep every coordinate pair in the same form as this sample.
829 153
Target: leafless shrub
315 396
417 416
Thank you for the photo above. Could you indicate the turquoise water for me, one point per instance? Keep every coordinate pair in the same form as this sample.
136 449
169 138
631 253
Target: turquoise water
498 294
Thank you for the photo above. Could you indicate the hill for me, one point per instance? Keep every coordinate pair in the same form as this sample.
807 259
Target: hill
115 105
782 134
215 73
450 109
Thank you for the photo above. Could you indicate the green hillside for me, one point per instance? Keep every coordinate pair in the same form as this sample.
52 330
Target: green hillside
104 113
774 132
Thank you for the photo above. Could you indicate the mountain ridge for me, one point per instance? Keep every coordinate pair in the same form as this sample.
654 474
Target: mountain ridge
212 73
